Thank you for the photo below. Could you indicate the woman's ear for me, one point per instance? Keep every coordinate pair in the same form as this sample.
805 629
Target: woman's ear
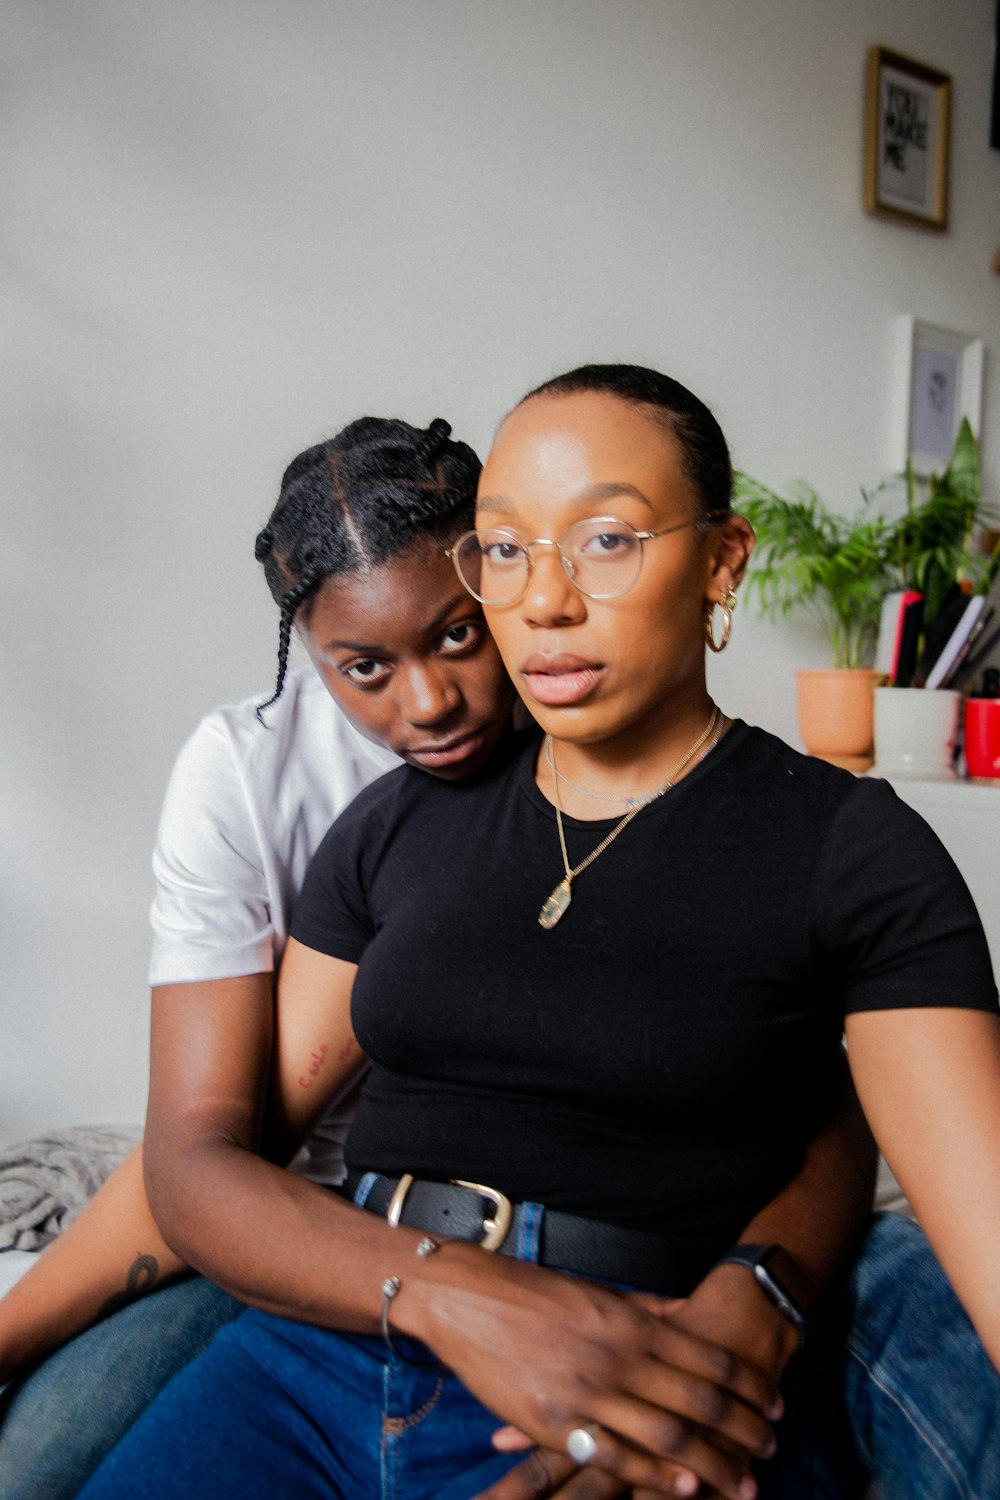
733 540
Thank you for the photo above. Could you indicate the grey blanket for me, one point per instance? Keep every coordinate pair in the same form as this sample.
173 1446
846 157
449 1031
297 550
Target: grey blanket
47 1182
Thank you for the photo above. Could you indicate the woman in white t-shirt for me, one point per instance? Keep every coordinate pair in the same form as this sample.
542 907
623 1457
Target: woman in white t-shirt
249 798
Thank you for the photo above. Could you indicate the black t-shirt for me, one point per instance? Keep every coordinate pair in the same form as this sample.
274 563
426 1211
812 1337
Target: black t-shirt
660 1057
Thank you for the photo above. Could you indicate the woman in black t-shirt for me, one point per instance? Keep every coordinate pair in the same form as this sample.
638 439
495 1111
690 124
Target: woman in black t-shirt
604 547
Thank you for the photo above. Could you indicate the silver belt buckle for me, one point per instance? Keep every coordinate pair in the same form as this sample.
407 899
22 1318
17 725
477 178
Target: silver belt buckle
496 1228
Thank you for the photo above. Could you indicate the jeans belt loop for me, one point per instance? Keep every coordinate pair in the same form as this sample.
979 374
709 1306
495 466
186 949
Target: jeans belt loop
397 1200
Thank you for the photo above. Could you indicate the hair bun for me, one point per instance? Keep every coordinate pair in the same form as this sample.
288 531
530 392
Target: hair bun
262 546
436 436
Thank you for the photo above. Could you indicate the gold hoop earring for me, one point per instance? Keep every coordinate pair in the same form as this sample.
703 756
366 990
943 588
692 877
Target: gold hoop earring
727 604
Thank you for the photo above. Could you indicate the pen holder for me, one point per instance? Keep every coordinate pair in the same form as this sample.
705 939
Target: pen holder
982 738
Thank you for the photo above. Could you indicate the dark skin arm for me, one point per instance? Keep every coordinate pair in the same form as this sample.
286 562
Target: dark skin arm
93 1263
818 1219
545 1351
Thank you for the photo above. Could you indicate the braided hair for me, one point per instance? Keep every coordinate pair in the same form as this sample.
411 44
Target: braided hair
354 502
703 446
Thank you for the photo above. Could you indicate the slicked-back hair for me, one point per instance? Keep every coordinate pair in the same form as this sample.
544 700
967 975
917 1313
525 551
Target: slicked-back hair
357 500
705 451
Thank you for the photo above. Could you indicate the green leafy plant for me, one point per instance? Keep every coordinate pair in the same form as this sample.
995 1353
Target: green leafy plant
936 543
839 568
834 567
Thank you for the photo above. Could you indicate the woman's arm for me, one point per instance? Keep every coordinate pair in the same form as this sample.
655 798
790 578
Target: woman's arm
818 1219
929 1081
543 1350
114 1251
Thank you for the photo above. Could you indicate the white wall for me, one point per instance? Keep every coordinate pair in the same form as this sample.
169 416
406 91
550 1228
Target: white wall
229 228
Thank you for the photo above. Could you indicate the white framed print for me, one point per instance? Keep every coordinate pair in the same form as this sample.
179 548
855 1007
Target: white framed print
938 380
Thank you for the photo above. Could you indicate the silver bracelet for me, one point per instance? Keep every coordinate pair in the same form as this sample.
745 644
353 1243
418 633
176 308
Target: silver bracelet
391 1288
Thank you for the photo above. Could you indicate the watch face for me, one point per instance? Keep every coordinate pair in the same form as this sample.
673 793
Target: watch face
755 1258
750 1255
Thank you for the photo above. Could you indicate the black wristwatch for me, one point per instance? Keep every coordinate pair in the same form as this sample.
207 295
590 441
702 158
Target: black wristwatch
755 1258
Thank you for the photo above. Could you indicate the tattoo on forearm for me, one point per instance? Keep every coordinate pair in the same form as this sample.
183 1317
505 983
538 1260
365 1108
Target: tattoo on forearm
142 1274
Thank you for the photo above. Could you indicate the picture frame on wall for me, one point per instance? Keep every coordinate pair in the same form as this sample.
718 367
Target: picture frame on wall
907 140
938 380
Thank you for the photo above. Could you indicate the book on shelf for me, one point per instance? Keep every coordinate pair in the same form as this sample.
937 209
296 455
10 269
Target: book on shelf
984 646
900 624
956 647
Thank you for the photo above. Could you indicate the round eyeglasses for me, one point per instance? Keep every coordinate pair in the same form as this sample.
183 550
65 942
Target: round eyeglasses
601 557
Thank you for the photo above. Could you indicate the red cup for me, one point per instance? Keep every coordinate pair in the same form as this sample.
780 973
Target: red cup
982 738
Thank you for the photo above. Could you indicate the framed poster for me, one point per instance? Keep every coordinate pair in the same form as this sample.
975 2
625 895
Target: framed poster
907 138
938 380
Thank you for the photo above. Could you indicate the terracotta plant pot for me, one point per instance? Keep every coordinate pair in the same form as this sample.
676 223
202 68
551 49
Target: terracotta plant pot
836 715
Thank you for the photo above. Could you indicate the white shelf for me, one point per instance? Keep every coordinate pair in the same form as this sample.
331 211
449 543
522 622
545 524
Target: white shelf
984 796
965 815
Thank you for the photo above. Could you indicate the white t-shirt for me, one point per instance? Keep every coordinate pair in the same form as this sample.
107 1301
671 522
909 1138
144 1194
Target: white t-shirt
246 805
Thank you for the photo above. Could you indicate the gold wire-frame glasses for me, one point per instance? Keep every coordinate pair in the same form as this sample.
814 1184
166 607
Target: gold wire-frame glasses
601 557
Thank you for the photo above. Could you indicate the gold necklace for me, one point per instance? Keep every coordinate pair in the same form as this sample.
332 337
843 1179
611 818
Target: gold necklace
629 798
556 905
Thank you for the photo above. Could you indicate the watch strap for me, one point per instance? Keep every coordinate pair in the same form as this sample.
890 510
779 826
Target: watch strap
755 1258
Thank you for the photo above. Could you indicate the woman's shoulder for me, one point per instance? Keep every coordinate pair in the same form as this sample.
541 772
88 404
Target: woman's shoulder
773 759
766 753
780 793
300 750
883 895
767 767
412 798
304 720
859 829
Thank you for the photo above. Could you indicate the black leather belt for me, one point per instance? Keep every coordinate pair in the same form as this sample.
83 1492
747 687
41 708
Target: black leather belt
609 1252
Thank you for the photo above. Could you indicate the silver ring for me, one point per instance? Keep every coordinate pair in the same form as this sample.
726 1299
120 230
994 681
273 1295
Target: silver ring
581 1445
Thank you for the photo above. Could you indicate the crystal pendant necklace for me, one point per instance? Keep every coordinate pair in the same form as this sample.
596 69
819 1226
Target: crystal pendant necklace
554 908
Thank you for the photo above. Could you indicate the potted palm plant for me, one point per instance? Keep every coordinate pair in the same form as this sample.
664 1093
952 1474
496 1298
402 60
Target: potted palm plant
936 544
839 569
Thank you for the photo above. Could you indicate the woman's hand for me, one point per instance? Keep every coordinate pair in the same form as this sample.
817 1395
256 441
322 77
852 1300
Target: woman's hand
816 1218
727 1308
553 1352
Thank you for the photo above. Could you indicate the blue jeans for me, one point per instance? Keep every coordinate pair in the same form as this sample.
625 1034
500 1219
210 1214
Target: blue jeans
921 1395
278 1408
57 1425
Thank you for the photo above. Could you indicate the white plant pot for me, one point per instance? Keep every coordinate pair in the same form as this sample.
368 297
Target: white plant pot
915 731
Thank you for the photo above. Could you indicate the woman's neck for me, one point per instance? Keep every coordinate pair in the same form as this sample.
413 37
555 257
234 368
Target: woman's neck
607 778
